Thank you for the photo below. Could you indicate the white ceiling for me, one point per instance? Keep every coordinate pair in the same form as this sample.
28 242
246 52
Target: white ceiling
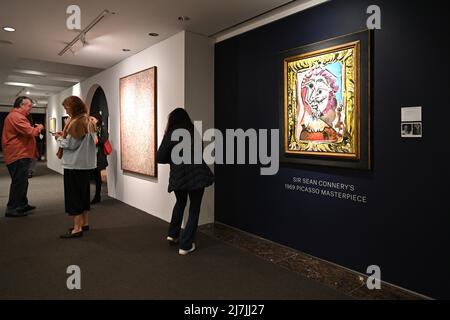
41 34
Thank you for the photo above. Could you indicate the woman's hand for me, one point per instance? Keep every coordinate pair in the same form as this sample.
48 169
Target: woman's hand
58 134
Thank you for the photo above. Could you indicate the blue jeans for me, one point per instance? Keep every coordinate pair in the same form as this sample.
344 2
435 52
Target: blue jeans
18 171
190 232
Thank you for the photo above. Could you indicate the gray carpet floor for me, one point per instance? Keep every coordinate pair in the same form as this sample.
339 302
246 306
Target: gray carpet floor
126 256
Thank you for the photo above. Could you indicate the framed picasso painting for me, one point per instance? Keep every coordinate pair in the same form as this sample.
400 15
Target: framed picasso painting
325 103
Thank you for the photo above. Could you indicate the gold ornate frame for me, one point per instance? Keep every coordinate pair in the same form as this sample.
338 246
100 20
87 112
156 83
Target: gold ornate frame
349 146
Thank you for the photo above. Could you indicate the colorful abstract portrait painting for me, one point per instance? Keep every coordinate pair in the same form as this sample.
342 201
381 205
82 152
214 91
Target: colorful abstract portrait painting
322 107
322 102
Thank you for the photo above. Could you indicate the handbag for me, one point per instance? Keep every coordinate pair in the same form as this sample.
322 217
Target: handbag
107 148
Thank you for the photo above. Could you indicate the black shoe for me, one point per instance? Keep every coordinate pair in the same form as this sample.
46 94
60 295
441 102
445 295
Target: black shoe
16 214
95 200
83 228
28 208
70 235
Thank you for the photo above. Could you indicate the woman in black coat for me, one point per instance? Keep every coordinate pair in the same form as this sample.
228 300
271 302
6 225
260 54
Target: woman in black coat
186 179
102 161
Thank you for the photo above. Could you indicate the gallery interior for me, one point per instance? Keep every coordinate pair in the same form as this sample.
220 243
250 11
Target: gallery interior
334 92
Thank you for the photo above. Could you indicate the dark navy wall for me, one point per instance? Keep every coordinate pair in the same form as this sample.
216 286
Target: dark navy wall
405 226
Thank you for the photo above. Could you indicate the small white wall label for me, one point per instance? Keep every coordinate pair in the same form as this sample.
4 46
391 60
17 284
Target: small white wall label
411 126
412 114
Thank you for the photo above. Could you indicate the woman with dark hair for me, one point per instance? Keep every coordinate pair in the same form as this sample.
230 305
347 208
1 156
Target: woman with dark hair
102 161
77 151
186 179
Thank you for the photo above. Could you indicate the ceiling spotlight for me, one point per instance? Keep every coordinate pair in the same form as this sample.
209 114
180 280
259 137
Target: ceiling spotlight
9 29
126 50
153 34
184 18
83 39
27 93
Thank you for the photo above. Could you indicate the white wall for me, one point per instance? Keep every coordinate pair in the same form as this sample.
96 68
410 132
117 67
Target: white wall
199 81
147 194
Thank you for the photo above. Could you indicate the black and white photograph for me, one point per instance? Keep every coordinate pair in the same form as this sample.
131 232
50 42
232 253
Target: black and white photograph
417 129
412 130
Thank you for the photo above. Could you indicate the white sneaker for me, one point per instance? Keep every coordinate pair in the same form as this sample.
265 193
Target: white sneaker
172 240
185 252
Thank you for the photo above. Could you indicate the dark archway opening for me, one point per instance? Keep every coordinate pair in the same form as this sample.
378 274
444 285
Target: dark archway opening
99 105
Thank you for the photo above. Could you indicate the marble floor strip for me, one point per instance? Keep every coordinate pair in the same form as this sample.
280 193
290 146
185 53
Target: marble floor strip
339 278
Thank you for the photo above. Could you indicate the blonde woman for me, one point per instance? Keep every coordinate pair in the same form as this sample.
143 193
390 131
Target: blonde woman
77 150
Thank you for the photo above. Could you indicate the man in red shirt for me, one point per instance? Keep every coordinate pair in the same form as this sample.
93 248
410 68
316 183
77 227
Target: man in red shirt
19 146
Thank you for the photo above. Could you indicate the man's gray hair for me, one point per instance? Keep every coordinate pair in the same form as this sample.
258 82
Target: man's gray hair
20 101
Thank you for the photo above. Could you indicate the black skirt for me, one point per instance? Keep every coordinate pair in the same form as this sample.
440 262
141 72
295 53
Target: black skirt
77 191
